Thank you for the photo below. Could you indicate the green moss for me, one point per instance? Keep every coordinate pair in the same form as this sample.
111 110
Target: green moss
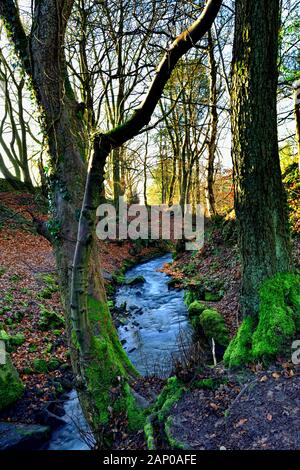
108 370
279 316
210 383
51 286
278 322
190 297
54 364
214 326
45 293
49 319
40 366
149 434
169 396
196 308
11 387
74 340
135 416
4 336
135 280
32 348
3 270
213 296
17 340
174 443
119 278
239 350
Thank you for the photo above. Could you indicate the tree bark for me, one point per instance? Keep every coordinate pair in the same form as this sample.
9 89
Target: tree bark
297 117
212 140
259 196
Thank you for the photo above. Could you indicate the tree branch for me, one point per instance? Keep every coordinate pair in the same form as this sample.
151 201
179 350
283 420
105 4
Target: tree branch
182 44
9 11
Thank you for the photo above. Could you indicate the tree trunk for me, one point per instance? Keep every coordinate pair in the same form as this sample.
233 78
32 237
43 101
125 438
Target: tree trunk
173 180
212 140
259 196
297 117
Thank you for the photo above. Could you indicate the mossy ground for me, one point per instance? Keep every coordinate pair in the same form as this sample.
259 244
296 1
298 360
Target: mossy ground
278 322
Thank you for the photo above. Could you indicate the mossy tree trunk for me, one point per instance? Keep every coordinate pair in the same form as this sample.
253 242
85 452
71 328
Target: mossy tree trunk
259 196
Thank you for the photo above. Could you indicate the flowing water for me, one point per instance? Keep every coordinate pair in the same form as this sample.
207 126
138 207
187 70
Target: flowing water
153 330
156 325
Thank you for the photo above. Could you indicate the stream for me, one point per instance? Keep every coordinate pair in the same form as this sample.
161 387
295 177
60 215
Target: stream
152 330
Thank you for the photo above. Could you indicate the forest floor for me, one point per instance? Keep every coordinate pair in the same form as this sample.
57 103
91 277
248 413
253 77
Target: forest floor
258 409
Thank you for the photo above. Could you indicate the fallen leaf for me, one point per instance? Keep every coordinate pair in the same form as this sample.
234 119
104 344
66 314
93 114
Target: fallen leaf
214 406
276 375
241 422
264 378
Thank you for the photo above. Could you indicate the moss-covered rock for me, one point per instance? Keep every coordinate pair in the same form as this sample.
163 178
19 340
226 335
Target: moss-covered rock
278 322
213 296
133 281
53 364
214 326
172 441
49 319
11 387
149 434
169 395
196 308
17 340
4 336
173 283
40 366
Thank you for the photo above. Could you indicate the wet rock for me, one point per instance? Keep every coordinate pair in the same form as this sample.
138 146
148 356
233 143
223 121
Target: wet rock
135 281
51 419
173 284
22 436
